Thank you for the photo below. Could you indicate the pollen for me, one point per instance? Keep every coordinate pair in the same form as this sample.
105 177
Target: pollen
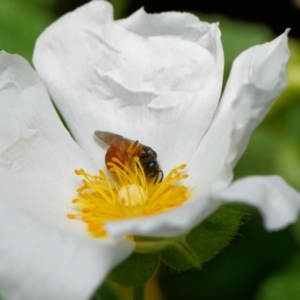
126 193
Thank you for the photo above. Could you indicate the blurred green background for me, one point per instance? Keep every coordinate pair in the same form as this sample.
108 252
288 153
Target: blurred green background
257 265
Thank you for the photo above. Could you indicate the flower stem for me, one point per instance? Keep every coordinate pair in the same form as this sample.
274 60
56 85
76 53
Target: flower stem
156 245
139 293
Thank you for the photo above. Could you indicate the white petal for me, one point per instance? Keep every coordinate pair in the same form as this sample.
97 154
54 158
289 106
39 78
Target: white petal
151 77
278 203
38 262
177 221
257 78
37 155
37 159
181 24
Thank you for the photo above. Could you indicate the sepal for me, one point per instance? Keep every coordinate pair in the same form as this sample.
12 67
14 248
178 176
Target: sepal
180 256
136 270
206 240
212 235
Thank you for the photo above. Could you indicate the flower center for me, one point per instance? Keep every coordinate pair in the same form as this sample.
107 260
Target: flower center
128 194
132 195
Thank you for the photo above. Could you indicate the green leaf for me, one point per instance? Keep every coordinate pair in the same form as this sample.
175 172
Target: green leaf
107 292
180 256
212 235
284 285
205 240
135 270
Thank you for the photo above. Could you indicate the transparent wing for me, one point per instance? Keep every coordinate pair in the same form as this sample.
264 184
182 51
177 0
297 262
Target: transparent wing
110 138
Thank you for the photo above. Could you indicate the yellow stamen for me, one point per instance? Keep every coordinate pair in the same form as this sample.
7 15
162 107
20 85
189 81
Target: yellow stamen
130 194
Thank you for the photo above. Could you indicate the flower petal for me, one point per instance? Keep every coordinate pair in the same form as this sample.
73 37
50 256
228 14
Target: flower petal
39 262
136 77
177 221
278 203
181 24
37 159
257 78
37 155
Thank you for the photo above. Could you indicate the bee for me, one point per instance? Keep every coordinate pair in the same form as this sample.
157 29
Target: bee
123 148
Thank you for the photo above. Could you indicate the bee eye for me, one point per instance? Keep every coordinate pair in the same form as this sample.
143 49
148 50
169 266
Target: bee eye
152 164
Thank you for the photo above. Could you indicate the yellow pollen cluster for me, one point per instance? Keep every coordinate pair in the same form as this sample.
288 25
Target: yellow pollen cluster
129 194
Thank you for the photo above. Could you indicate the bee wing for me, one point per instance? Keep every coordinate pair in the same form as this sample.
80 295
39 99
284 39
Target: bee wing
110 138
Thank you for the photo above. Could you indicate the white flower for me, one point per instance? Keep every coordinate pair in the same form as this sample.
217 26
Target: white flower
153 78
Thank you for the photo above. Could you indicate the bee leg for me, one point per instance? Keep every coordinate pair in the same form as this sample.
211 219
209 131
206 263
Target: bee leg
159 177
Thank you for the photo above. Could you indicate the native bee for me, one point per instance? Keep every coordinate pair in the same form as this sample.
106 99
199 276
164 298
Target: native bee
120 148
